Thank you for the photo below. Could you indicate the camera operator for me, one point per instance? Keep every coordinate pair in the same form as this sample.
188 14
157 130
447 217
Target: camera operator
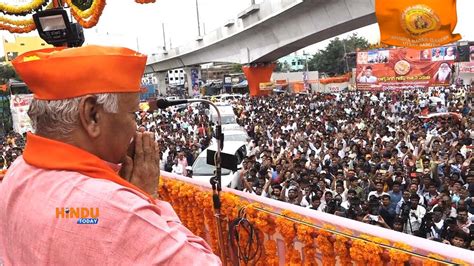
463 220
387 210
354 209
373 217
413 214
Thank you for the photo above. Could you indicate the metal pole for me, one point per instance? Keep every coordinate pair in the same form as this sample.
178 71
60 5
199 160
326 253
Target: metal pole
345 55
164 37
216 181
197 14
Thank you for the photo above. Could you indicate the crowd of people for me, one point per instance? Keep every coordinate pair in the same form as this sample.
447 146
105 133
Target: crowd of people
399 160
396 160
11 146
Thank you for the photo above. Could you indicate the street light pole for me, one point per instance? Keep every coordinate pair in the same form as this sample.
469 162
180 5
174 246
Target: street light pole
164 37
198 22
306 75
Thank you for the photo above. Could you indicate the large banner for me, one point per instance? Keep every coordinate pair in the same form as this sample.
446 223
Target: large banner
404 68
19 105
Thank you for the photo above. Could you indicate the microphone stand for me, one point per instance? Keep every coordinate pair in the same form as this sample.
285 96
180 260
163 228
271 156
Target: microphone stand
216 180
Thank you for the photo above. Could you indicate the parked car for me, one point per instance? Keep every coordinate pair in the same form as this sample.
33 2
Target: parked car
230 178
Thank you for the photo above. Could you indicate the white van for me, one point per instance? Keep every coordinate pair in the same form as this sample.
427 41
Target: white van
203 171
229 119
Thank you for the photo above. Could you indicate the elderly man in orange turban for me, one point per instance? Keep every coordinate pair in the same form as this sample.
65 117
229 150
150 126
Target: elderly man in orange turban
65 201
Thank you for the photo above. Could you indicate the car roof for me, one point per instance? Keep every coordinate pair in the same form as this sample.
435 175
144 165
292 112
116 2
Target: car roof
230 147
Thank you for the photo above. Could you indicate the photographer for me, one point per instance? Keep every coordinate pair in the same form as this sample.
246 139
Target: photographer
413 214
374 217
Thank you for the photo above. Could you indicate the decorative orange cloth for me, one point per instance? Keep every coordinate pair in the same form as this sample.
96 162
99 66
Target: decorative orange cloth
62 73
418 24
50 154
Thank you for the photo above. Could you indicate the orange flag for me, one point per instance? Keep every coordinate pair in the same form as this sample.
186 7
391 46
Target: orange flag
417 24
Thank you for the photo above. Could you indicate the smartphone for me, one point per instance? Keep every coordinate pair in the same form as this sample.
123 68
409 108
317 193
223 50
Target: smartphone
373 217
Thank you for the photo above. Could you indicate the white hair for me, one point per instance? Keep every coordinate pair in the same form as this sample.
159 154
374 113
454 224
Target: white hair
61 116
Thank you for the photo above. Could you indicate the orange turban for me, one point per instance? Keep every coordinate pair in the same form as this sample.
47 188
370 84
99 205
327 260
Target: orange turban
62 73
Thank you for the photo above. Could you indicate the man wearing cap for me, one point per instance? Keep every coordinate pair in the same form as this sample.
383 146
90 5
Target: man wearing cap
63 201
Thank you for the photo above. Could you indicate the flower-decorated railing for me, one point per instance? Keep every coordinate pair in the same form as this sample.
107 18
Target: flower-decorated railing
292 235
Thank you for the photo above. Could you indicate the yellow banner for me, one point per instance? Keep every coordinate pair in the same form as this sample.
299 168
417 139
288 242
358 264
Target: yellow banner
417 24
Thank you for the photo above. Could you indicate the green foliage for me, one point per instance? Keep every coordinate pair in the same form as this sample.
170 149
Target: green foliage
332 60
237 68
7 72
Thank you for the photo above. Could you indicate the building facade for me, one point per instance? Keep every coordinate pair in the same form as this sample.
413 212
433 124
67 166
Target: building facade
294 62
22 44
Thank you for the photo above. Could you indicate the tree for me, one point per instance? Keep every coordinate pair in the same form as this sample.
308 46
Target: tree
7 72
339 56
237 68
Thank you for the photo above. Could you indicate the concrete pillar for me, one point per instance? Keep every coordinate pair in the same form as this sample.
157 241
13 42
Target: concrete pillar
257 74
161 84
193 75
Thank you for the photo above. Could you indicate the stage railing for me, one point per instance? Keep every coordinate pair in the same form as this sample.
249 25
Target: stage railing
295 235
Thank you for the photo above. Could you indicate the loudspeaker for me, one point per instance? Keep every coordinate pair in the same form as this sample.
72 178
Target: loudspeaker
228 161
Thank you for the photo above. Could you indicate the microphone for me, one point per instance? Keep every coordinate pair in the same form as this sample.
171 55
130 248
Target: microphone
163 103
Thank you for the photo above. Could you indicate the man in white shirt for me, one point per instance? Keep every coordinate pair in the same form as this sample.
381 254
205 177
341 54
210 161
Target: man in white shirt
365 76
415 216
450 53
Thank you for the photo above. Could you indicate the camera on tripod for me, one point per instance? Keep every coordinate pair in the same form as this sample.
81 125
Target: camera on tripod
405 213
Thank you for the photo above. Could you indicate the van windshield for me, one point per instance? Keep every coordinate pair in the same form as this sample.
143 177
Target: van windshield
226 119
201 167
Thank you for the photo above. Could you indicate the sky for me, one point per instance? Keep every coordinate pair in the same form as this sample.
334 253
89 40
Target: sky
126 23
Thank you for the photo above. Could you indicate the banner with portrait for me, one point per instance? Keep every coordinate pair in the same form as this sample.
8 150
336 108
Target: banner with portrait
19 105
404 68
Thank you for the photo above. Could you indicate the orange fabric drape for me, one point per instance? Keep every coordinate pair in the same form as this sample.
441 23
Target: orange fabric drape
256 75
417 24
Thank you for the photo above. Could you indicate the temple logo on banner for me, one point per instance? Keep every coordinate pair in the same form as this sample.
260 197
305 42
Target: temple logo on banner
84 215
424 24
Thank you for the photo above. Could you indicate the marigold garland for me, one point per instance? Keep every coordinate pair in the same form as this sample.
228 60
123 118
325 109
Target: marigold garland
88 12
429 262
145 1
398 257
199 218
27 8
89 17
17 29
342 251
327 250
15 22
19 25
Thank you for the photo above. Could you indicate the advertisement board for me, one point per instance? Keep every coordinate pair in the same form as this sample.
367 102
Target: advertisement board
19 105
402 68
466 67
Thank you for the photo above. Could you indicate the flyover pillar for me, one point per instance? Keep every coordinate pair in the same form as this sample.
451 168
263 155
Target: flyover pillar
257 74
193 76
161 86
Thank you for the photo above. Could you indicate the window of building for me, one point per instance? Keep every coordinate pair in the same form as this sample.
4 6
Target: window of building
171 78
293 63
22 44
43 44
176 71
181 71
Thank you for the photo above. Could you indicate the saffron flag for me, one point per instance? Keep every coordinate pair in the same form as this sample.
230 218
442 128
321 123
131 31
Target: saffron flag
418 24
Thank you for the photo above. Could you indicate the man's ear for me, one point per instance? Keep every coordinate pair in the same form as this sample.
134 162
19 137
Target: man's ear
90 115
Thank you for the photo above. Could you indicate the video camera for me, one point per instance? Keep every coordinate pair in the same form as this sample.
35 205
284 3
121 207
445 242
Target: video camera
406 207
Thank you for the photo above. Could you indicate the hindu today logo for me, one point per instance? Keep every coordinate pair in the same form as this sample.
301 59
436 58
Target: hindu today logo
83 215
